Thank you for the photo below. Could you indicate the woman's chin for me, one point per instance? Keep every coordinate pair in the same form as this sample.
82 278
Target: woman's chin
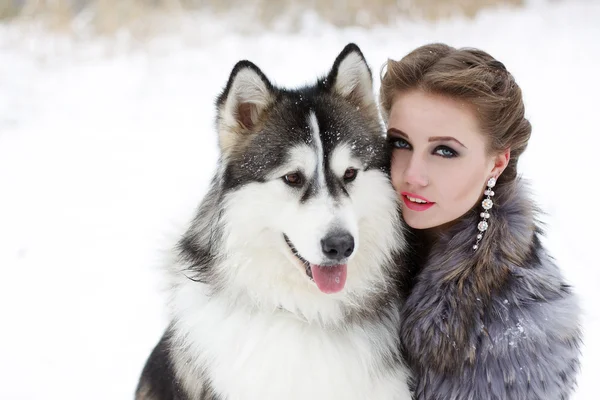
418 222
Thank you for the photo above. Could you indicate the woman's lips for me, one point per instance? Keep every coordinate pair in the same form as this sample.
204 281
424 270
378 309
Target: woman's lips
416 202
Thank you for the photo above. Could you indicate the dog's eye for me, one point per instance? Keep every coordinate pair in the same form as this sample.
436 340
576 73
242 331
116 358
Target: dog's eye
294 179
350 175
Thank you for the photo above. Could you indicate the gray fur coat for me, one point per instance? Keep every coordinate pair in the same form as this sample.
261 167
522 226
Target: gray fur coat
498 323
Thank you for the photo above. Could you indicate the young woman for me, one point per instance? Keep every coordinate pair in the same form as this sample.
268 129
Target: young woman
489 315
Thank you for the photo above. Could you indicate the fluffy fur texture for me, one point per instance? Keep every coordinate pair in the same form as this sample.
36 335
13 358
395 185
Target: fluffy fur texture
248 322
498 323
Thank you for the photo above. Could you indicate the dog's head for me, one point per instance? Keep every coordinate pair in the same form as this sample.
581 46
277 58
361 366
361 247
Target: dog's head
306 207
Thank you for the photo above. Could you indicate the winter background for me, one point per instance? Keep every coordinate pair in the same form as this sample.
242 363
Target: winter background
107 146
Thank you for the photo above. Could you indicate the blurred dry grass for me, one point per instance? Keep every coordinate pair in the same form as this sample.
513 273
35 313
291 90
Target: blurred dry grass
107 16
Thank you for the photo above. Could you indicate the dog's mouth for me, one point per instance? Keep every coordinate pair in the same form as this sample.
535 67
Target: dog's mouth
299 257
328 278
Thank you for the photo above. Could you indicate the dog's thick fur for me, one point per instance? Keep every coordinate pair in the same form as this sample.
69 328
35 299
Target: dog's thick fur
248 322
498 323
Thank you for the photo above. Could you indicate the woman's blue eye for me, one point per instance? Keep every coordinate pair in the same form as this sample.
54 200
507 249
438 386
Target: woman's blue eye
445 151
399 143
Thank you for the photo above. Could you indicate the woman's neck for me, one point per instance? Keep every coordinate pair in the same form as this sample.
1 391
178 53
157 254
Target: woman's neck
431 235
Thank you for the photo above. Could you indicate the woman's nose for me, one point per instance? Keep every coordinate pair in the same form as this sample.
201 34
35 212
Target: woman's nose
416 172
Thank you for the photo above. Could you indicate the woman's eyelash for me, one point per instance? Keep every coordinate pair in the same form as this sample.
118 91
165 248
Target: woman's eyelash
442 151
445 151
399 143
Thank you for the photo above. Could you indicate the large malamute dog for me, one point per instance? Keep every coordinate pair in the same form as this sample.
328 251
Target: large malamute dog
287 283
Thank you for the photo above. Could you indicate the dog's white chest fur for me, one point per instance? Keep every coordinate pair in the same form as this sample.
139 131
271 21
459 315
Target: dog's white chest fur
277 356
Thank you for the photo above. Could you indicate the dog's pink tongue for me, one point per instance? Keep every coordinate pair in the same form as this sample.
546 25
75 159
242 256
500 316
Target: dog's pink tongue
330 279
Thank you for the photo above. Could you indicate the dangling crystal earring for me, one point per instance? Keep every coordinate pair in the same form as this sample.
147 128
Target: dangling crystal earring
487 203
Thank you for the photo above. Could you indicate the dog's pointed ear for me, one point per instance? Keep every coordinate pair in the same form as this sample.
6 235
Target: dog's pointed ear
241 105
350 77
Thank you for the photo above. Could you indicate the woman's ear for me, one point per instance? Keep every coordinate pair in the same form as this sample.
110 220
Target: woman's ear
500 163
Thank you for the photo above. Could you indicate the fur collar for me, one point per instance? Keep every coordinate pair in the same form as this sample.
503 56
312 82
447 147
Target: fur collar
455 283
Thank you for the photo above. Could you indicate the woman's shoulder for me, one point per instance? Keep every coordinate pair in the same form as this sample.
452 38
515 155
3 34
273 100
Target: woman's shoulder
536 304
534 282
520 340
531 329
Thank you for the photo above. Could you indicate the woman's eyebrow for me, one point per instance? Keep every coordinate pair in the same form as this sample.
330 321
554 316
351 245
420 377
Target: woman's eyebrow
397 132
446 139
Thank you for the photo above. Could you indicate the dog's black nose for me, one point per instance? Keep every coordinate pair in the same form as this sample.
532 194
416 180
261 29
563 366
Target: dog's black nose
337 246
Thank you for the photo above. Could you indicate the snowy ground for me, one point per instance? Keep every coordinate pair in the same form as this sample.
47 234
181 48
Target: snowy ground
106 148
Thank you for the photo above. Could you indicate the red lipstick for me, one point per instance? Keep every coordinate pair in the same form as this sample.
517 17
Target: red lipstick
416 206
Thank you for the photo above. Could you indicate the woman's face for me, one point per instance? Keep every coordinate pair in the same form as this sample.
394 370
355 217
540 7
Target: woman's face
440 165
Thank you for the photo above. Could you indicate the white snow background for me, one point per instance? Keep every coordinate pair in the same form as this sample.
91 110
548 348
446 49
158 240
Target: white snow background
107 146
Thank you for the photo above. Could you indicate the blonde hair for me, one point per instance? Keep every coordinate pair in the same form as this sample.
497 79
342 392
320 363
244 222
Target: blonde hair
469 75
